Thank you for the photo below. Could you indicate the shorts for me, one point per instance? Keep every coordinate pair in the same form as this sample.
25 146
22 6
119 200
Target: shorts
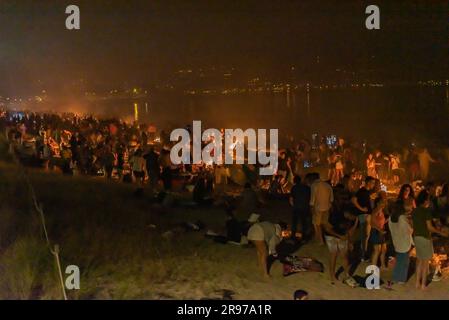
335 244
139 174
424 248
256 233
362 218
320 217
376 237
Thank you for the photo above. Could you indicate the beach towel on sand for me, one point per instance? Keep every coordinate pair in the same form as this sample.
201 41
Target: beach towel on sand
293 264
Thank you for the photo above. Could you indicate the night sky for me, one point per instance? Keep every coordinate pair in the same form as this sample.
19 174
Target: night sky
143 41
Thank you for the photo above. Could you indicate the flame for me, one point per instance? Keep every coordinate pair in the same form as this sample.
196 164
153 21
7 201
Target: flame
288 234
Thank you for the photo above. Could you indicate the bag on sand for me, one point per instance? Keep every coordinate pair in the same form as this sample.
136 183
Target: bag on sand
293 264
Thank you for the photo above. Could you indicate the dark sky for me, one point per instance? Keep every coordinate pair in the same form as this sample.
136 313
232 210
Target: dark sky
143 41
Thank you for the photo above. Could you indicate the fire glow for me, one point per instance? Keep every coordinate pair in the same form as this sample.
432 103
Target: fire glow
234 139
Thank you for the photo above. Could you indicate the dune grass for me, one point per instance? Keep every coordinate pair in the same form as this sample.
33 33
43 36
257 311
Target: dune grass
104 229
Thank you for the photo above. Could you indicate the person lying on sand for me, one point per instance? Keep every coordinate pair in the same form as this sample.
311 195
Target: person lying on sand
265 236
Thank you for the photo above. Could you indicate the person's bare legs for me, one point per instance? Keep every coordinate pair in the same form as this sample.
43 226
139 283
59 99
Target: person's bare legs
346 264
367 231
424 273
383 254
332 264
418 273
262 255
340 175
318 233
375 255
334 178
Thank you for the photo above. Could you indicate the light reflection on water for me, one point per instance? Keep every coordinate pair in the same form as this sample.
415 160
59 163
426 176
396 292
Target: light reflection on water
394 112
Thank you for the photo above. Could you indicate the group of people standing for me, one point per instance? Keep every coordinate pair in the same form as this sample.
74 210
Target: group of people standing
414 164
363 225
352 216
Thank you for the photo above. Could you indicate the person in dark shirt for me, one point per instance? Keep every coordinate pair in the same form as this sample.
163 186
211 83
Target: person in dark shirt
74 145
338 228
422 237
248 203
282 165
152 165
108 160
202 191
362 205
299 200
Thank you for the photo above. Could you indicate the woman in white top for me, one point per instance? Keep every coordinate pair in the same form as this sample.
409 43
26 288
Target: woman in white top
401 233
265 236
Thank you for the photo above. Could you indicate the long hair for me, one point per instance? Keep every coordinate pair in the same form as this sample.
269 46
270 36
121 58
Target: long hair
339 201
397 211
445 190
423 196
402 192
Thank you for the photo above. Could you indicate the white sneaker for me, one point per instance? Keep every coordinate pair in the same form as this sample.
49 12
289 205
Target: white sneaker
437 277
243 240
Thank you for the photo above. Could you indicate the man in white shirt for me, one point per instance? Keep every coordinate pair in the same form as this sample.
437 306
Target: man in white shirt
321 200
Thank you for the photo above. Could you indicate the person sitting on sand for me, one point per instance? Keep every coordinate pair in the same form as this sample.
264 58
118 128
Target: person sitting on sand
265 236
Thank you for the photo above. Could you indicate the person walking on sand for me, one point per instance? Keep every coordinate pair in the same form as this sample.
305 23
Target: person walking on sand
321 200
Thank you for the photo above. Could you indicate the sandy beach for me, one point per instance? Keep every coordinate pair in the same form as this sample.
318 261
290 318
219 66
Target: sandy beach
238 272
118 242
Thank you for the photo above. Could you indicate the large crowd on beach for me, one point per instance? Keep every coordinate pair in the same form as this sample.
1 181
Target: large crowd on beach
360 200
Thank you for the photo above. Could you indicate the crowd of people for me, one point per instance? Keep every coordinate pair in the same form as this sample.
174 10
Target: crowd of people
364 224
345 206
